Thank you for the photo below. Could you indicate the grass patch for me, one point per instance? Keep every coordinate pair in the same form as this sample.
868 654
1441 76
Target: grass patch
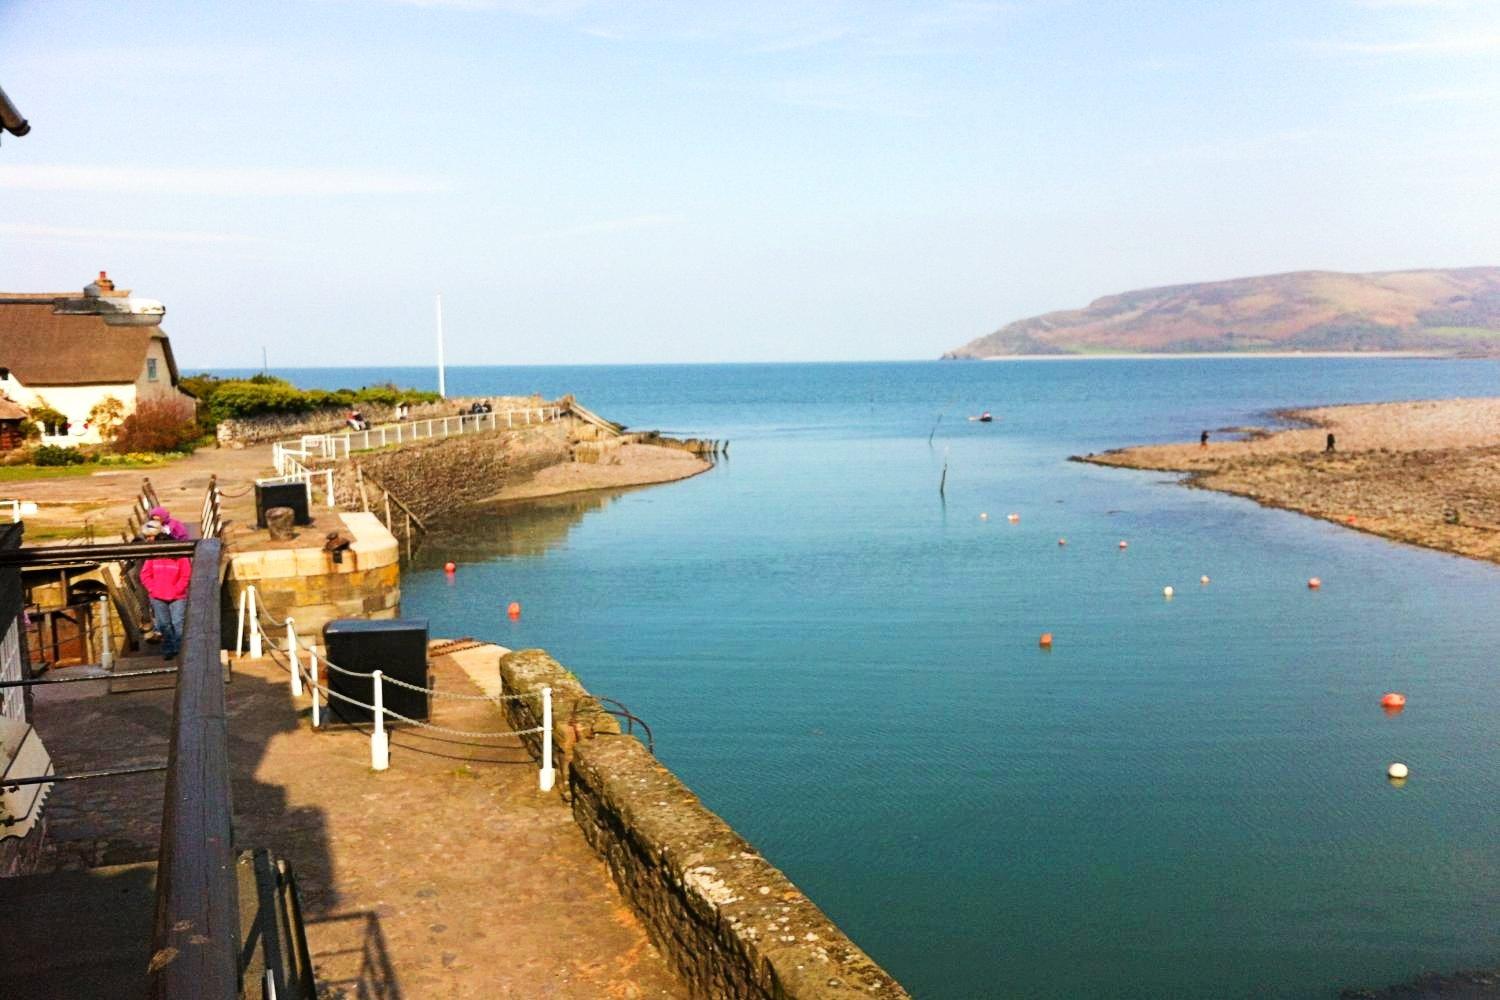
21 473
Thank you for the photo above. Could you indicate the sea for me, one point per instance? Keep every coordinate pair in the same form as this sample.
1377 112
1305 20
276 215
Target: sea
838 652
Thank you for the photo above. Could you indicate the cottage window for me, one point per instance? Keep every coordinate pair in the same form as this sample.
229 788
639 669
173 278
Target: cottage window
151 369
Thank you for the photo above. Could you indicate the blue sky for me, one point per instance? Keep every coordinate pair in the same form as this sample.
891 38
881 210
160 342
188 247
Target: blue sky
622 182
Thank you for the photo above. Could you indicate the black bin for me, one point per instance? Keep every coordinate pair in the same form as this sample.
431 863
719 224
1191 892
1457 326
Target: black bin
293 495
397 648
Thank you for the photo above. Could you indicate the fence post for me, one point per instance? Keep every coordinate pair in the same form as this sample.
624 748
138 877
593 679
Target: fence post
239 630
380 747
312 669
291 654
548 775
254 628
106 639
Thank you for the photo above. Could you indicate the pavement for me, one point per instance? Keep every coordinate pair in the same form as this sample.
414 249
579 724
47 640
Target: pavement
449 875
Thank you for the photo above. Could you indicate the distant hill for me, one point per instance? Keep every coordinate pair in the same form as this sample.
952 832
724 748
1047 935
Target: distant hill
1453 311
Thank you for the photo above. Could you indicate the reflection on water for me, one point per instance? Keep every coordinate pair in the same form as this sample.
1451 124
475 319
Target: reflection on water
511 529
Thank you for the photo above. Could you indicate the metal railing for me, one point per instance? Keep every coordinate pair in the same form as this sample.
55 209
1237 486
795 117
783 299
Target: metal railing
342 444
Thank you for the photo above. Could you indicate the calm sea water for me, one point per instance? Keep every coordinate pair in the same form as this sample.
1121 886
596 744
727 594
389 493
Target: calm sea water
1183 798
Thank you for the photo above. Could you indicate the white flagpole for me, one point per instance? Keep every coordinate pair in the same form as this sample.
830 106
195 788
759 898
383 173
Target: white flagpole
442 386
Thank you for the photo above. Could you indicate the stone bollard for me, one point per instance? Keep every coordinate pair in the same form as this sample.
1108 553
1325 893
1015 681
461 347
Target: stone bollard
279 523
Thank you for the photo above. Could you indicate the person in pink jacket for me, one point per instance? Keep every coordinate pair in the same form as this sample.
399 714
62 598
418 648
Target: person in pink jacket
170 526
166 582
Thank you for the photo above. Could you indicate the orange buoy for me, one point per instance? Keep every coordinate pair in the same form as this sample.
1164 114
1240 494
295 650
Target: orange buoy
1124 544
1045 641
1062 541
450 567
1393 699
1314 583
1012 518
514 610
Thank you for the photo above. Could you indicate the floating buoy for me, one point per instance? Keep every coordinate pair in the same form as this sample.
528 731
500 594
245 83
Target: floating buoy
1062 541
1393 699
1397 771
1012 518
1124 544
1045 641
450 567
984 517
1203 580
1314 583
514 610
1167 592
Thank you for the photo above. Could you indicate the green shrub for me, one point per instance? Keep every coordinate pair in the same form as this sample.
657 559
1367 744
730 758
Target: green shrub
51 454
236 399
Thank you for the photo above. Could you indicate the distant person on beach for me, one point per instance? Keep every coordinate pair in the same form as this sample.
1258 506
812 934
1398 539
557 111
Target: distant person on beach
357 421
1203 440
1329 448
166 582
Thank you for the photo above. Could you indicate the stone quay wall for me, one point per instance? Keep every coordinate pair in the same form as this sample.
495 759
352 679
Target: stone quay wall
732 925
306 584
281 426
441 475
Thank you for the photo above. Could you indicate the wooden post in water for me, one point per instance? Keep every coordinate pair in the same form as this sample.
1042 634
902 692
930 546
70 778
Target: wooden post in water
389 526
408 536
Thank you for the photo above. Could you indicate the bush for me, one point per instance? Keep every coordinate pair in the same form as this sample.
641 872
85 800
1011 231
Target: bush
51 454
237 399
157 425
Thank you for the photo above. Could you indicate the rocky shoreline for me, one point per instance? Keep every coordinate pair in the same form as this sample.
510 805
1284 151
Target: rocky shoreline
1424 473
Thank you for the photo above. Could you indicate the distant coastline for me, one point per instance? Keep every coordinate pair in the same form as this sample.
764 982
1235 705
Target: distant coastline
1161 356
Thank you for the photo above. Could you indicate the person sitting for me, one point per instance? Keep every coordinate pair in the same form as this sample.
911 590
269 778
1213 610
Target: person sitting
170 526
486 407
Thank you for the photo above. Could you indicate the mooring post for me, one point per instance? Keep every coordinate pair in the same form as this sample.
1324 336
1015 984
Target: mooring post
291 655
106 643
312 670
548 776
254 628
380 747
239 630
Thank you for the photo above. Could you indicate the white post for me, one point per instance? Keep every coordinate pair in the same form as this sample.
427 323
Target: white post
508 415
442 383
106 637
254 628
380 747
548 775
398 433
291 654
328 487
312 669
239 632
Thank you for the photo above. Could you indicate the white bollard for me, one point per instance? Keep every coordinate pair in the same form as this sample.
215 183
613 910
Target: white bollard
254 628
312 670
548 775
380 747
239 631
291 655
106 635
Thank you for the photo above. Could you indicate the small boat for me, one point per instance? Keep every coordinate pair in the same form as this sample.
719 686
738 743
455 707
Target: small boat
983 418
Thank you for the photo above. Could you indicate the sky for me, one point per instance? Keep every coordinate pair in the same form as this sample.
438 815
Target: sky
620 182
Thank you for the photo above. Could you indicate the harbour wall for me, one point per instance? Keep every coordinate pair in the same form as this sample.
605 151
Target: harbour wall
731 924
279 426
441 475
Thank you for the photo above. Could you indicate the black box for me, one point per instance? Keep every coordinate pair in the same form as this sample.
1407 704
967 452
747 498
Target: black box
397 648
293 495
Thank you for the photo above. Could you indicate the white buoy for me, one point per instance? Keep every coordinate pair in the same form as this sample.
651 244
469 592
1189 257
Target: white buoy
1203 579
1167 591
984 517
1124 544
1397 771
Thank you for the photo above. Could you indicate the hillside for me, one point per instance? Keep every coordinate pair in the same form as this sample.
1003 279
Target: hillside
1450 311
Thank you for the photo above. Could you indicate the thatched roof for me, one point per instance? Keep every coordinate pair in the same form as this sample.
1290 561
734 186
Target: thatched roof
45 347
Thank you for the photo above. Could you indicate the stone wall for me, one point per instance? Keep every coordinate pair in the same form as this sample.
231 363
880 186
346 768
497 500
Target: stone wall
306 584
280 427
441 475
731 923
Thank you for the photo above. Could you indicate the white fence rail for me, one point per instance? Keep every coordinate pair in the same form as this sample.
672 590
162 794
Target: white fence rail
301 660
16 509
343 443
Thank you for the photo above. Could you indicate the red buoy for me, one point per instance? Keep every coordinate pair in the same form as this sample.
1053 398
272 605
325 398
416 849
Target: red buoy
1393 699
450 567
514 610
1124 544
1045 641
1314 583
